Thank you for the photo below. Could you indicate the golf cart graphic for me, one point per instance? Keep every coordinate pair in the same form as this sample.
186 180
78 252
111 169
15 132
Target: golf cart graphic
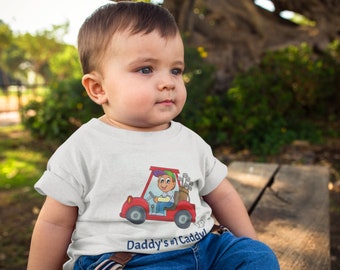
165 197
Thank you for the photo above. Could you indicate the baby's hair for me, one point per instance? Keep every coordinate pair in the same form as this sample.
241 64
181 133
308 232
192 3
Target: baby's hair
135 17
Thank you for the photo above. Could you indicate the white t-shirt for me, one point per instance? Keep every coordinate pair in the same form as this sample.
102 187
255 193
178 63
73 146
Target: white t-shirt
114 175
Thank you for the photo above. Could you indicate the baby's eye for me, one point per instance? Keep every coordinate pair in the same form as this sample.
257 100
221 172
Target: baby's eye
145 70
176 71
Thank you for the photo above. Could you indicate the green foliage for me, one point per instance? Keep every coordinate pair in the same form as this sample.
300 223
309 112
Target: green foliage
203 111
23 53
65 64
6 36
292 94
62 110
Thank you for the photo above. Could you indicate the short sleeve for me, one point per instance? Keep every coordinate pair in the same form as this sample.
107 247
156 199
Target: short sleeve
217 172
61 189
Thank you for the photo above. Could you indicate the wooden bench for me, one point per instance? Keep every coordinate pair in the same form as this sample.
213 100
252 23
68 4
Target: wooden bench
289 207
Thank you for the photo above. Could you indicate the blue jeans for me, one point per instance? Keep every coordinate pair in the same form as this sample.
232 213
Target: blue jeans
215 251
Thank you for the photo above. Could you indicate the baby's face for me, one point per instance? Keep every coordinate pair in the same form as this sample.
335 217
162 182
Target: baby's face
142 75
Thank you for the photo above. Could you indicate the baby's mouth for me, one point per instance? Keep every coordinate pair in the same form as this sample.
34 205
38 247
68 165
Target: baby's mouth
166 102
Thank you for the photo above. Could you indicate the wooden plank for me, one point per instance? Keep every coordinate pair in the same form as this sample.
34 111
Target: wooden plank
292 217
249 179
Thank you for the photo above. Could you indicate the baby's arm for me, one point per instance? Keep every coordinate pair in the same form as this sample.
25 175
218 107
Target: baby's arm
51 235
229 210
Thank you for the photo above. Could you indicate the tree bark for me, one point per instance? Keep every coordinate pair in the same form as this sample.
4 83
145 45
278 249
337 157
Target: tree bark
236 33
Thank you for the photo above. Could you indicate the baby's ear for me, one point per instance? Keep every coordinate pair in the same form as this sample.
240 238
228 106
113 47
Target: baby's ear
92 84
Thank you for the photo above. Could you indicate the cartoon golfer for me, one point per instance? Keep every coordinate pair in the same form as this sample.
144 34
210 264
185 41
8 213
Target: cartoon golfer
166 183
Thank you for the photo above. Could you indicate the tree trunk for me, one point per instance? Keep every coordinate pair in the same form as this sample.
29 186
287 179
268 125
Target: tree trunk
236 33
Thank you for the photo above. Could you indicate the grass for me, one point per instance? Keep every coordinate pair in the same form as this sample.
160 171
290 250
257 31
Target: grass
22 159
19 208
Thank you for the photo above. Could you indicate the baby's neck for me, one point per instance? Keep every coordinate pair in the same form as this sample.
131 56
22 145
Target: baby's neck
107 120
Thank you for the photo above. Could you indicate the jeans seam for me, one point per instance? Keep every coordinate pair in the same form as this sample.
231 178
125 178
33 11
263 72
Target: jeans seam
195 251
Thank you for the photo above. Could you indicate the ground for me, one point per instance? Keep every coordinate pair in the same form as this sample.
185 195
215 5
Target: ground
19 207
301 152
